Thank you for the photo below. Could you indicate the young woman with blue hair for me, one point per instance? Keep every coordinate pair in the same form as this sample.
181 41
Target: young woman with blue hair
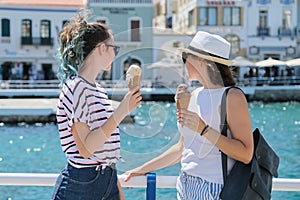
87 123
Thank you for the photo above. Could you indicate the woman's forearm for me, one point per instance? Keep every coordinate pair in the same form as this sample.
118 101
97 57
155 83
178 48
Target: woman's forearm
232 147
97 137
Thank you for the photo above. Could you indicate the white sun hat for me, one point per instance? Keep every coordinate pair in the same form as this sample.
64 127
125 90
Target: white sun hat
210 47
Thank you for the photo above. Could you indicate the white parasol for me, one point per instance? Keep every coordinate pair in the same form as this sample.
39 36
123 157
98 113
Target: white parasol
269 63
165 63
240 61
293 62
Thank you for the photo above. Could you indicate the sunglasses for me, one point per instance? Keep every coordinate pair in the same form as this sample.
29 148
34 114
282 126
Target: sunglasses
116 48
184 56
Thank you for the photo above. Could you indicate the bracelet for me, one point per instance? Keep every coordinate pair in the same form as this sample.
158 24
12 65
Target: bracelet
205 129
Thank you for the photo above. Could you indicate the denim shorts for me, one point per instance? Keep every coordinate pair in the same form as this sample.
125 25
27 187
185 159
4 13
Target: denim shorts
90 183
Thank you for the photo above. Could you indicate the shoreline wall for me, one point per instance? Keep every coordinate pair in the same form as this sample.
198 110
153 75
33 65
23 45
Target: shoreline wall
36 108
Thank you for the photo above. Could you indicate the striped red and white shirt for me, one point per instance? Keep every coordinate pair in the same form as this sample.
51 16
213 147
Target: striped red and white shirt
81 101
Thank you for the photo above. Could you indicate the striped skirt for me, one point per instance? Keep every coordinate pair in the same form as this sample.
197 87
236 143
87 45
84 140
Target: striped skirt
195 188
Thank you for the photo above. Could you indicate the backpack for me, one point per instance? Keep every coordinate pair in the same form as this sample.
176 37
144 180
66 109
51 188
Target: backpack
251 181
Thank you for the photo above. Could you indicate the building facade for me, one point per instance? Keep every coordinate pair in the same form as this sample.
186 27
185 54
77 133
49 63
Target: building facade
256 29
146 30
131 23
272 29
29 29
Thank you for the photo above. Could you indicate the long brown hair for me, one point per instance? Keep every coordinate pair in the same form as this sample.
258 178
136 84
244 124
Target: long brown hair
220 74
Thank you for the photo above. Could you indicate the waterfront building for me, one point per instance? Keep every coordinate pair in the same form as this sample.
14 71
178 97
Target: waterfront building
149 32
163 11
29 29
256 29
226 18
131 23
167 69
272 29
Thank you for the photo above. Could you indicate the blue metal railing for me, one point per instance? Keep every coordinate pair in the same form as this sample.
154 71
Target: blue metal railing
151 186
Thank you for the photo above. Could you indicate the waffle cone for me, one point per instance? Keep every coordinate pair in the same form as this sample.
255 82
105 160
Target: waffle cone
183 103
133 82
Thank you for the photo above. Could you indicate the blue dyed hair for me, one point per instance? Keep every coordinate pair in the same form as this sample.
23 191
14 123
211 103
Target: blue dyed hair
77 39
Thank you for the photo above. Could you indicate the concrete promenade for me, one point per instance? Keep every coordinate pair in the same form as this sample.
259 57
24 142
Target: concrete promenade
34 110
27 110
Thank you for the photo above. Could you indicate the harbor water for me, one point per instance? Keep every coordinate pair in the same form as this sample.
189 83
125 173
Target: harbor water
36 148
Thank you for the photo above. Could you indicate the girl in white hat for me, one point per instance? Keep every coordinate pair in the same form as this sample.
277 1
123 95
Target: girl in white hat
201 143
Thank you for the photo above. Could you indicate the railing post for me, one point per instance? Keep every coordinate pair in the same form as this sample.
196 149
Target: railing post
151 186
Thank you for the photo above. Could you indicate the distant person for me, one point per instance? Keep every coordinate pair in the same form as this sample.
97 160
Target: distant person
87 124
201 143
1 71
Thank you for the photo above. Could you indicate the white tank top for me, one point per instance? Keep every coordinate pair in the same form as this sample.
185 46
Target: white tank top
200 157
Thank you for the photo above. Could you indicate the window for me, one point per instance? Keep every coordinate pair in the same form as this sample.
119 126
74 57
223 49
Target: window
130 61
5 28
236 16
226 16
26 28
135 30
191 18
231 16
263 19
263 29
234 40
64 22
45 29
207 16
46 32
286 19
26 32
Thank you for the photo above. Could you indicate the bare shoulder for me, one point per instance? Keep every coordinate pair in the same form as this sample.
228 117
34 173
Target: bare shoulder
236 96
238 115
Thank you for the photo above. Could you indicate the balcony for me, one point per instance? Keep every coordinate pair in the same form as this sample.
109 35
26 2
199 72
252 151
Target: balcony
37 41
285 31
263 31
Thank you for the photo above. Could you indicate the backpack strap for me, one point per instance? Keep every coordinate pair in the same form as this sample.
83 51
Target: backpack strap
223 128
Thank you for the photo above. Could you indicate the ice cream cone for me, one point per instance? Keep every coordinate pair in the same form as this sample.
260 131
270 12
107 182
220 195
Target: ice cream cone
183 102
133 76
182 97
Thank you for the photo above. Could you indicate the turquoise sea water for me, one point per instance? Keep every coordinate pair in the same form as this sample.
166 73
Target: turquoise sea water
36 148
